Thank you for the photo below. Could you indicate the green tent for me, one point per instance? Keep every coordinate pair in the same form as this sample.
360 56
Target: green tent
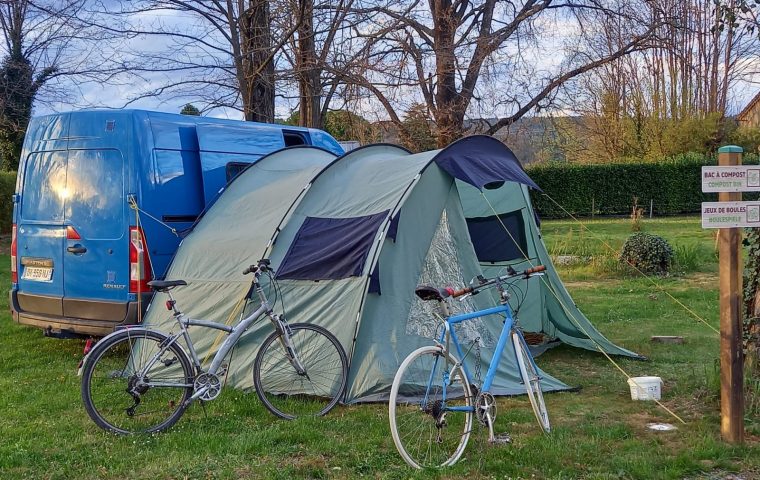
504 230
350 238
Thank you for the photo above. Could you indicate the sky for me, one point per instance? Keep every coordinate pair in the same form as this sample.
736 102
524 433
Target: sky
117 93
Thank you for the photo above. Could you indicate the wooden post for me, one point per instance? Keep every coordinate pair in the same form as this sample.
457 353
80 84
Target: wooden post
731 361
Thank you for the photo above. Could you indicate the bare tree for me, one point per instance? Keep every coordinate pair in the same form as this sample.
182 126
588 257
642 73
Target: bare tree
45 41
320 56
458 56
221 52
670 98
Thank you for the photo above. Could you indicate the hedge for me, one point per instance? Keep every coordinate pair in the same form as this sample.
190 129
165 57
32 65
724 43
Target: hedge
670 187
7 188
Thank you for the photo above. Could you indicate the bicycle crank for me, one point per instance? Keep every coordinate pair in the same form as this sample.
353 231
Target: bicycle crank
209 386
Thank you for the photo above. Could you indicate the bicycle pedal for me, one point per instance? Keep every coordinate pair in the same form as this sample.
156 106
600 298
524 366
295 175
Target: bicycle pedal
501 439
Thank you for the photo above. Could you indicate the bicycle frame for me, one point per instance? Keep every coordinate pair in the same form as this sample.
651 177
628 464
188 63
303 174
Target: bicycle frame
495 359
233 335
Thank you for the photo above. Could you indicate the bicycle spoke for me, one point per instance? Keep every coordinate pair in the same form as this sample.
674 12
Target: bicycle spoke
418 425
113 375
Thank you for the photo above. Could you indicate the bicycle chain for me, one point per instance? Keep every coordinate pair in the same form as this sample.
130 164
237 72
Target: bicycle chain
477 363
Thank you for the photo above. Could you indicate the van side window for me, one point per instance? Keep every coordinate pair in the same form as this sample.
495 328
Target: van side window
294 138
234 169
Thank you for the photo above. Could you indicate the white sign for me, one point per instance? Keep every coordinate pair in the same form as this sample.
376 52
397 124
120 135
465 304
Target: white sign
740 178
730 214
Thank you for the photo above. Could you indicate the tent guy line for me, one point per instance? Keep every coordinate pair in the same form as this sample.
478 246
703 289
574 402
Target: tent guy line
577 324
659 287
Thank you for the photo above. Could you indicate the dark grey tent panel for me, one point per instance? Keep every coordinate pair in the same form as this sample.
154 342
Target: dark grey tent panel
481 161
487 236
330 248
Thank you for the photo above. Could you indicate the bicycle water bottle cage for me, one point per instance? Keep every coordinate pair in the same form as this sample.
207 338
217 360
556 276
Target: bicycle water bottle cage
426 292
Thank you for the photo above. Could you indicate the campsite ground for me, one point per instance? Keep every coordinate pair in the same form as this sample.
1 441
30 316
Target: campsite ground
598 432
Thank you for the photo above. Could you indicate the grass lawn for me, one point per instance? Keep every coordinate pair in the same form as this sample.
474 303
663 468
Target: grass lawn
598 432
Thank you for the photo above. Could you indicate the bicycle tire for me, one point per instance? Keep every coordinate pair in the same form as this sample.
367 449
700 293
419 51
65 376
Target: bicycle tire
109 369
420 375
287 394
531 380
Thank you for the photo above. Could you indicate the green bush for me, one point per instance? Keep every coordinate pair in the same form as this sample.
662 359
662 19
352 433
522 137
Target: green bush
671 186
647 253
7 188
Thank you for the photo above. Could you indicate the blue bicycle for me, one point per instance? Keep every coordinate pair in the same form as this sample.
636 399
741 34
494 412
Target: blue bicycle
433 401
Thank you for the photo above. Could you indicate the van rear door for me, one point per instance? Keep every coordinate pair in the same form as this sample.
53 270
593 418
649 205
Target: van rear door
96 255
40 233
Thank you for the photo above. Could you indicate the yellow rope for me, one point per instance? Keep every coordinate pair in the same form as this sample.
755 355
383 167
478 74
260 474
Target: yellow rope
221 334
657 285
572 316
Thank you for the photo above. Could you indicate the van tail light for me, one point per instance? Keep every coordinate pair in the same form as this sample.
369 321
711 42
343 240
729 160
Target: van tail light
14 248
139 262
72 234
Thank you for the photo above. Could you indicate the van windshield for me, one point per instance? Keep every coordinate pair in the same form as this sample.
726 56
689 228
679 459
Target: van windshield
44 188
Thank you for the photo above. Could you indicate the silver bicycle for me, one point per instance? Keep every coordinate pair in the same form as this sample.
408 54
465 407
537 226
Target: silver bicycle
140 380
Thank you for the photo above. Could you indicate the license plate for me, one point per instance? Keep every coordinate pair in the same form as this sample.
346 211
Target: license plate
37 274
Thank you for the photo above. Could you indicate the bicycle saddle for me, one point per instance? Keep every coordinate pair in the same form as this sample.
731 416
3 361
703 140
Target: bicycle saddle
426 292
165 285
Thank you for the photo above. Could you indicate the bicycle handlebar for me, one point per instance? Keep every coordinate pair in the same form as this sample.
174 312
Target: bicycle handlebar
458 293
261 265
536 269
526 273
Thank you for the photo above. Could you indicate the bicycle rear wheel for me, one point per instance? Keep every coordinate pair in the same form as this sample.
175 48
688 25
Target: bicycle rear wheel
531 380
284 391
430 409
132 383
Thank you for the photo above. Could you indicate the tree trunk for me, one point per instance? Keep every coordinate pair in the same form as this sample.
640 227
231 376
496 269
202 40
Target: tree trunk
714 58
307 70
447 99
722 98
257 82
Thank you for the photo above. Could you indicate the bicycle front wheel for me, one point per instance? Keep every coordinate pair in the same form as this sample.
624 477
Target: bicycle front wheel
316 389
133 383
531 380
430 409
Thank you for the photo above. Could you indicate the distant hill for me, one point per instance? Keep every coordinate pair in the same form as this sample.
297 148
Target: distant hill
531 138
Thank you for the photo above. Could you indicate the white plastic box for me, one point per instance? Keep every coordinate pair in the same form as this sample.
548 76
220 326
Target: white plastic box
645 388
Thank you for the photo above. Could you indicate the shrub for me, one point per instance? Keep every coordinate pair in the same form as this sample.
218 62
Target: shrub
7 187
648 253
671 186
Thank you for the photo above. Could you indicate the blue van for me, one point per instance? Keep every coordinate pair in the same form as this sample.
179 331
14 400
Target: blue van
80 259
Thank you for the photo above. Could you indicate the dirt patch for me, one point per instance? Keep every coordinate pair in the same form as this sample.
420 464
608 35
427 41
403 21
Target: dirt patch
588 284
723 475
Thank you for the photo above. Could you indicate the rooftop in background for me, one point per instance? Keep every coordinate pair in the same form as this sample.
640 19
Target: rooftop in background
750 114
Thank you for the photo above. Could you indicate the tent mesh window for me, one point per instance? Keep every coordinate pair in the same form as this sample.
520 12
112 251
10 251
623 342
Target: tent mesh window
330 248
492 244
441 268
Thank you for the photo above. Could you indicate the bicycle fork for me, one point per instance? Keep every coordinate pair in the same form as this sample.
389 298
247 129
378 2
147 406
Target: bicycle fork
282 327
